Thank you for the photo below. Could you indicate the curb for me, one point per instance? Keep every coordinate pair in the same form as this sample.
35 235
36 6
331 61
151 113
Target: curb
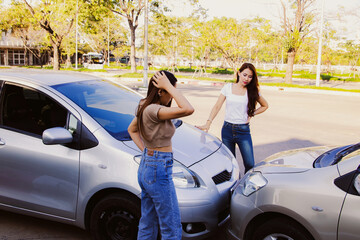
314 91
285 89
201 83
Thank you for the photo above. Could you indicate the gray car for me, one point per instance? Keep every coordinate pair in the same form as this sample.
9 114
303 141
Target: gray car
66 155
302 194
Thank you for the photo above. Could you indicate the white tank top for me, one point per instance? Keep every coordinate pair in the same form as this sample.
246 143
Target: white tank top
236 106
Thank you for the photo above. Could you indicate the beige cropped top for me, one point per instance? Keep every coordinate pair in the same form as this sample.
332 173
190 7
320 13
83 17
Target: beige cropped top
156 132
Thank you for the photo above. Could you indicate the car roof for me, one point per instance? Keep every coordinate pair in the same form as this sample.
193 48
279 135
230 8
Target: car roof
44 77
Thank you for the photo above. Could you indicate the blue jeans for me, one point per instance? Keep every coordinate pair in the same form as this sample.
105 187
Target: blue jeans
239 134
159 204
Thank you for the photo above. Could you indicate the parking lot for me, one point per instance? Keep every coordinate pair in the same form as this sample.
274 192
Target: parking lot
294 120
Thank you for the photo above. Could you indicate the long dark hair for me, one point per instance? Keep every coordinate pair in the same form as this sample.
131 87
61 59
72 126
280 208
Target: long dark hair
252 87
152 97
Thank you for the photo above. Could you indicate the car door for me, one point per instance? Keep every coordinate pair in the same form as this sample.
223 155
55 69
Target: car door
33 176
350 214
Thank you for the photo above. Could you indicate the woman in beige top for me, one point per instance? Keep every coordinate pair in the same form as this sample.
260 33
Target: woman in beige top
152 130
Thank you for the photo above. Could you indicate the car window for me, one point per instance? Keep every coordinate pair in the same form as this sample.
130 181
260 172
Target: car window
357 183
28 110
73 124
335 155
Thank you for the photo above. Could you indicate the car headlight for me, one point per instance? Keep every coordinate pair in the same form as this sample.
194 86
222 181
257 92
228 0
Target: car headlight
182 176
251 182
236 171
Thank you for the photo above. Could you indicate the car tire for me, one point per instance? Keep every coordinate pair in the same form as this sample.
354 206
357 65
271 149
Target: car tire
281 229
115 217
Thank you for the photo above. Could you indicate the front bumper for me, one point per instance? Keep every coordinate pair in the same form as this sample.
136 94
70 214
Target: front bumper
203 219
203 210
242 211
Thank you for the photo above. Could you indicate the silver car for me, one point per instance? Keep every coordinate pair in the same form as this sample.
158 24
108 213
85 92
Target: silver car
302 194
66 155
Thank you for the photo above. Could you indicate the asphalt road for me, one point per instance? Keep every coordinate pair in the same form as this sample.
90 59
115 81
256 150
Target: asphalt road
294 120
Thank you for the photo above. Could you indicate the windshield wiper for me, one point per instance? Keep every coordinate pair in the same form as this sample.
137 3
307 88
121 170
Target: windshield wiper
345 152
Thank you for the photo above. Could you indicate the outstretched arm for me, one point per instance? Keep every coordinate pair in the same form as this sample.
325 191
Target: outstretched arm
215 110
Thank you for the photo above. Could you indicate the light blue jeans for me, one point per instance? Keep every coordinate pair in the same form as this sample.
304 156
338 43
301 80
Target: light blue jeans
239 134
159 204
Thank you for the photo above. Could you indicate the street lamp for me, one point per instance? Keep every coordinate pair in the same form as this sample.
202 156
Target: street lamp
145 79
318 69
76 37
108 42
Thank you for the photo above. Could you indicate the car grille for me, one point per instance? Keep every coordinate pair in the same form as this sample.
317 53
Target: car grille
222 177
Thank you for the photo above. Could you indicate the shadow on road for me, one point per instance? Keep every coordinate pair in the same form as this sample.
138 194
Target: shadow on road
19 227
265 150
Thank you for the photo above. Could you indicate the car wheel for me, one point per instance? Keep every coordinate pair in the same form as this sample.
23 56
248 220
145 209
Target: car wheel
280 229
116 217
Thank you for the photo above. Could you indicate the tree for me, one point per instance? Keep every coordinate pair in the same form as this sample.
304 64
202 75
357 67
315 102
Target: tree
57 19
169 36
131 10
15 19
229 38
352 52
263 42
96 23
295 29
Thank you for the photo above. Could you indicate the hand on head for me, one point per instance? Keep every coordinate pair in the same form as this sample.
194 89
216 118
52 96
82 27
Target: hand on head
161 81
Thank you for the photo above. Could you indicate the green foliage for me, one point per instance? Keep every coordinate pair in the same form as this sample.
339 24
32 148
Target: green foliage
222 71
130 75
37 67
84 70
225 40
292 41
309 87
352 52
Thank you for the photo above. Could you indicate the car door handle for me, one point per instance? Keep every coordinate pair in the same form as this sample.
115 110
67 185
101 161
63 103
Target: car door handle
2 142
317 209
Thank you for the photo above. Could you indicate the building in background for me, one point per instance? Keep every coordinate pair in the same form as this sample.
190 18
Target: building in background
14 53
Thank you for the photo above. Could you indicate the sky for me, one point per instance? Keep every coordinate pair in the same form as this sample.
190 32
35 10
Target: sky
271 9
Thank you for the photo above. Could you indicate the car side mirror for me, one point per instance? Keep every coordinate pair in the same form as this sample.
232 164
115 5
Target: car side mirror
56 135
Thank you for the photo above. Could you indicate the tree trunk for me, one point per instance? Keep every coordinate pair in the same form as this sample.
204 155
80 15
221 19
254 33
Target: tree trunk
56 57
26 59
290 67
132 52
68 60
106 54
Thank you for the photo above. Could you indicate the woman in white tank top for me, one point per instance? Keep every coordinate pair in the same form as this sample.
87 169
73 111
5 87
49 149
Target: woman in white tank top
241 99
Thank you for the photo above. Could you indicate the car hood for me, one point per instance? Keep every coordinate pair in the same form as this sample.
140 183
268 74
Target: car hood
291 161
190 144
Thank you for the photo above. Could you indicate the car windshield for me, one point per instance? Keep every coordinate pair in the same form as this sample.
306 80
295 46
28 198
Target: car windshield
337 155
111 105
